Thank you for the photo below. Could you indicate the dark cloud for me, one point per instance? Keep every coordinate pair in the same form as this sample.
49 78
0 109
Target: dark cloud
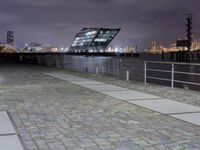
56 21
100 1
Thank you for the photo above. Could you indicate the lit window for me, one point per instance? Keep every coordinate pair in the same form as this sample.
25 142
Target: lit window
100 40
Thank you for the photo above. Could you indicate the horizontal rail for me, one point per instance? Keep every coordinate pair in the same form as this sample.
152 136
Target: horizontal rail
156 78
178 72
193 83
158 70
179 81
175 63
189 73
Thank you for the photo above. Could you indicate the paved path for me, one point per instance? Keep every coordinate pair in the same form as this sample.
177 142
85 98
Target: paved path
172 108
52 114
8 136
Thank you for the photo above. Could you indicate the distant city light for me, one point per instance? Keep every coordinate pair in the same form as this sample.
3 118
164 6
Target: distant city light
62 49
155 47
127 49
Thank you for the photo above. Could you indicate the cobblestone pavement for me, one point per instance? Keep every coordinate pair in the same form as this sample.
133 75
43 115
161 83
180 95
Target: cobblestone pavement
178 94
51 114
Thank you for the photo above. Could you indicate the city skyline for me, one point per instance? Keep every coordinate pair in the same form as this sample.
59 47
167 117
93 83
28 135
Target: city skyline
57 22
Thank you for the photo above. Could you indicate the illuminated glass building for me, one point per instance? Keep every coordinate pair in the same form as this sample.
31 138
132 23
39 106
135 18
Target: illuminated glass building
93 39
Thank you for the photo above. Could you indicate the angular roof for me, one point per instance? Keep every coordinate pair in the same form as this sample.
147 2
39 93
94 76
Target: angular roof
93 39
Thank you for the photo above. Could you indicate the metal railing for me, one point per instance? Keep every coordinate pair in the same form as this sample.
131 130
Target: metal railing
172 71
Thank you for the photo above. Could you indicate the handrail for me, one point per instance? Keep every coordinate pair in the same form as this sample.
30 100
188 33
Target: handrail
188 73
156 78
172 71
177 72
158 70
187 82
175 63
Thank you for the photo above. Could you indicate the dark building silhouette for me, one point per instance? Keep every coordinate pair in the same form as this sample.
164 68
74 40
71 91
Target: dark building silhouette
10 37
93 39
189 31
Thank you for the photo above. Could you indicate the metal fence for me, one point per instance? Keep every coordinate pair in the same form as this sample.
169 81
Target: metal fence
154 68
120 68
165 73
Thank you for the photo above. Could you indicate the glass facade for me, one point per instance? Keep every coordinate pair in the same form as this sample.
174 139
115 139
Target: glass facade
93 39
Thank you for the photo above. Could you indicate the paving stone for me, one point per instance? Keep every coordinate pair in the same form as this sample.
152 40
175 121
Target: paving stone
104 87
193 118
166 106
6 126
130 95
87 82
65 77
10 142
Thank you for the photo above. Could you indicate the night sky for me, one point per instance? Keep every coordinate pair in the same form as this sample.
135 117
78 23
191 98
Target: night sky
56 22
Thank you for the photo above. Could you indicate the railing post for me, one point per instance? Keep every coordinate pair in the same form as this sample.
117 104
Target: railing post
127 75
172 81
145 72
84 67
97 71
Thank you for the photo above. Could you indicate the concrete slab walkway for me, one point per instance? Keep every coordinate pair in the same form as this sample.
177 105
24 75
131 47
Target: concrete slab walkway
8 136
190 117
10 142
168 107
6 126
